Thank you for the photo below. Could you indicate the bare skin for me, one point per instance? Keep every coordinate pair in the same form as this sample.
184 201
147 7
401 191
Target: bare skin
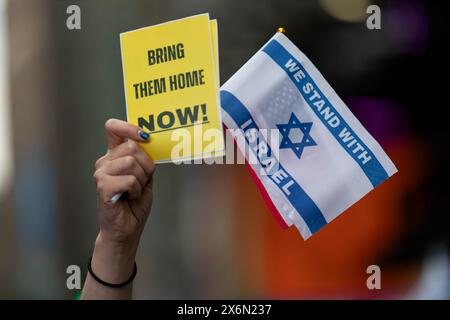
127 169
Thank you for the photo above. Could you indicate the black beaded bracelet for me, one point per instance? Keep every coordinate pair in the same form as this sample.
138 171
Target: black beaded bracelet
111 285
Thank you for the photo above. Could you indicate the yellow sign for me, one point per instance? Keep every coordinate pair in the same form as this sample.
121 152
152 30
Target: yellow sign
171 79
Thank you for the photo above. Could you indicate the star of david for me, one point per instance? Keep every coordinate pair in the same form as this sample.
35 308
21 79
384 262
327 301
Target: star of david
305 128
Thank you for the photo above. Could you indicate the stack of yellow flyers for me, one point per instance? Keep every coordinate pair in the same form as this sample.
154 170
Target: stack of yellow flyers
171 79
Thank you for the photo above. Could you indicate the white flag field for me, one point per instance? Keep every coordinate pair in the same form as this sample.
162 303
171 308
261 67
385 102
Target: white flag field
322 160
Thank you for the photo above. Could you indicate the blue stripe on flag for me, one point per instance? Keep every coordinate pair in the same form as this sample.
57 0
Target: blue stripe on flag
303 81
302 203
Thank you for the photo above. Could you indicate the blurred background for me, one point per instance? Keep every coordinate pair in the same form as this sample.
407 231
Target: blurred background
59 86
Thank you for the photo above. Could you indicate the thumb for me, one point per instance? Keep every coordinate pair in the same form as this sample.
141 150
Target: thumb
118 131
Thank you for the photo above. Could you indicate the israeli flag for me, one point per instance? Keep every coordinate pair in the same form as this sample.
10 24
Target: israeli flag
322 160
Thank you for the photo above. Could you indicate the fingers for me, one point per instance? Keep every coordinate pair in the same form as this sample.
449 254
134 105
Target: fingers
117 131
126 165
108 186
126 168
133 149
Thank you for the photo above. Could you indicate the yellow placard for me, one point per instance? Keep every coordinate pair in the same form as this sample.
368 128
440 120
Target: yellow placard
171 79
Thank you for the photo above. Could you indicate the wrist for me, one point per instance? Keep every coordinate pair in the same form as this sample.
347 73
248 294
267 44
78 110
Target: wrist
112 261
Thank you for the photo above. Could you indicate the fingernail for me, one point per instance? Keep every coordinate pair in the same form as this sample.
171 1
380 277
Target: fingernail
144 135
